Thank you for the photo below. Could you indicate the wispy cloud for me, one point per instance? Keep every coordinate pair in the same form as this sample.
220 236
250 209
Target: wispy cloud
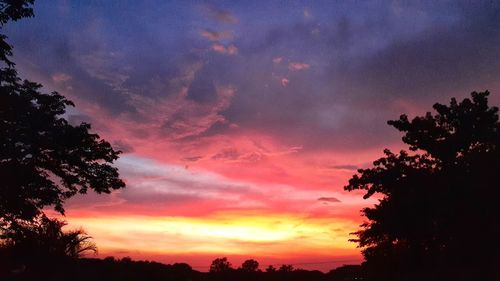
307 13
61 77
221 15
285 82
230 50
296 66
329 199
344 167
213 35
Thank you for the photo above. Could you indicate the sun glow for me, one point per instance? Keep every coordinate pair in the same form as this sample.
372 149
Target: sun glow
233 233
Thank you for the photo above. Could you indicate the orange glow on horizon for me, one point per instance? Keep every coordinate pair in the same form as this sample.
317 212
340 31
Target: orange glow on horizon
269 236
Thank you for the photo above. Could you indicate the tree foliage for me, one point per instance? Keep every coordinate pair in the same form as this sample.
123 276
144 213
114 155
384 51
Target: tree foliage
44 159
250 265
220 265
439 203
271 268
43 240
286 268
12 10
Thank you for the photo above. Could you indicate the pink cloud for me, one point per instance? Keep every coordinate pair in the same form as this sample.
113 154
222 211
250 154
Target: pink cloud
220 15
61 77
277 60
216 35
307 13
284 82
297 66
232 50
177 169
229 50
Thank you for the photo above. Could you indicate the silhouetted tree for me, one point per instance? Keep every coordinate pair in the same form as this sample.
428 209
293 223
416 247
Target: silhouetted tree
286 268
11 10
270 268
220 265
182 267
44 160
439 207
41 243
250 265
348 273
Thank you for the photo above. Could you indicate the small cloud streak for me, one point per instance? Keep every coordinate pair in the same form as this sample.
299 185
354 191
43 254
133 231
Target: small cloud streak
123 146
213 35
284 82
230 50
193 158
344 167
329 199
297 66
307 13
61 77
220 15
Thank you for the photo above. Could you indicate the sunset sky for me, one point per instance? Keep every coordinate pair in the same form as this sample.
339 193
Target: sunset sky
241 121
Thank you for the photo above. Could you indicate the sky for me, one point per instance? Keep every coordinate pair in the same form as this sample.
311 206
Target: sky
240 122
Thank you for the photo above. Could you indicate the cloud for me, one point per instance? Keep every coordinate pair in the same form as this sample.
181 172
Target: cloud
105 65
170 99
227 154
216 35
219 48
296 66
230 50
344 167
180 117
221 15
61 77
307 13
77 119
122 146
155 188
441 61
285 82
193 158
154 182
233 155
329 199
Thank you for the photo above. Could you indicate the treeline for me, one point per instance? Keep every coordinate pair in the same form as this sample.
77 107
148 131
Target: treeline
125 269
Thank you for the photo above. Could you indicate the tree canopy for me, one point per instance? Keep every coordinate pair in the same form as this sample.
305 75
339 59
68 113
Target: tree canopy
45 239
250 265
439 203
220 265
44 159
